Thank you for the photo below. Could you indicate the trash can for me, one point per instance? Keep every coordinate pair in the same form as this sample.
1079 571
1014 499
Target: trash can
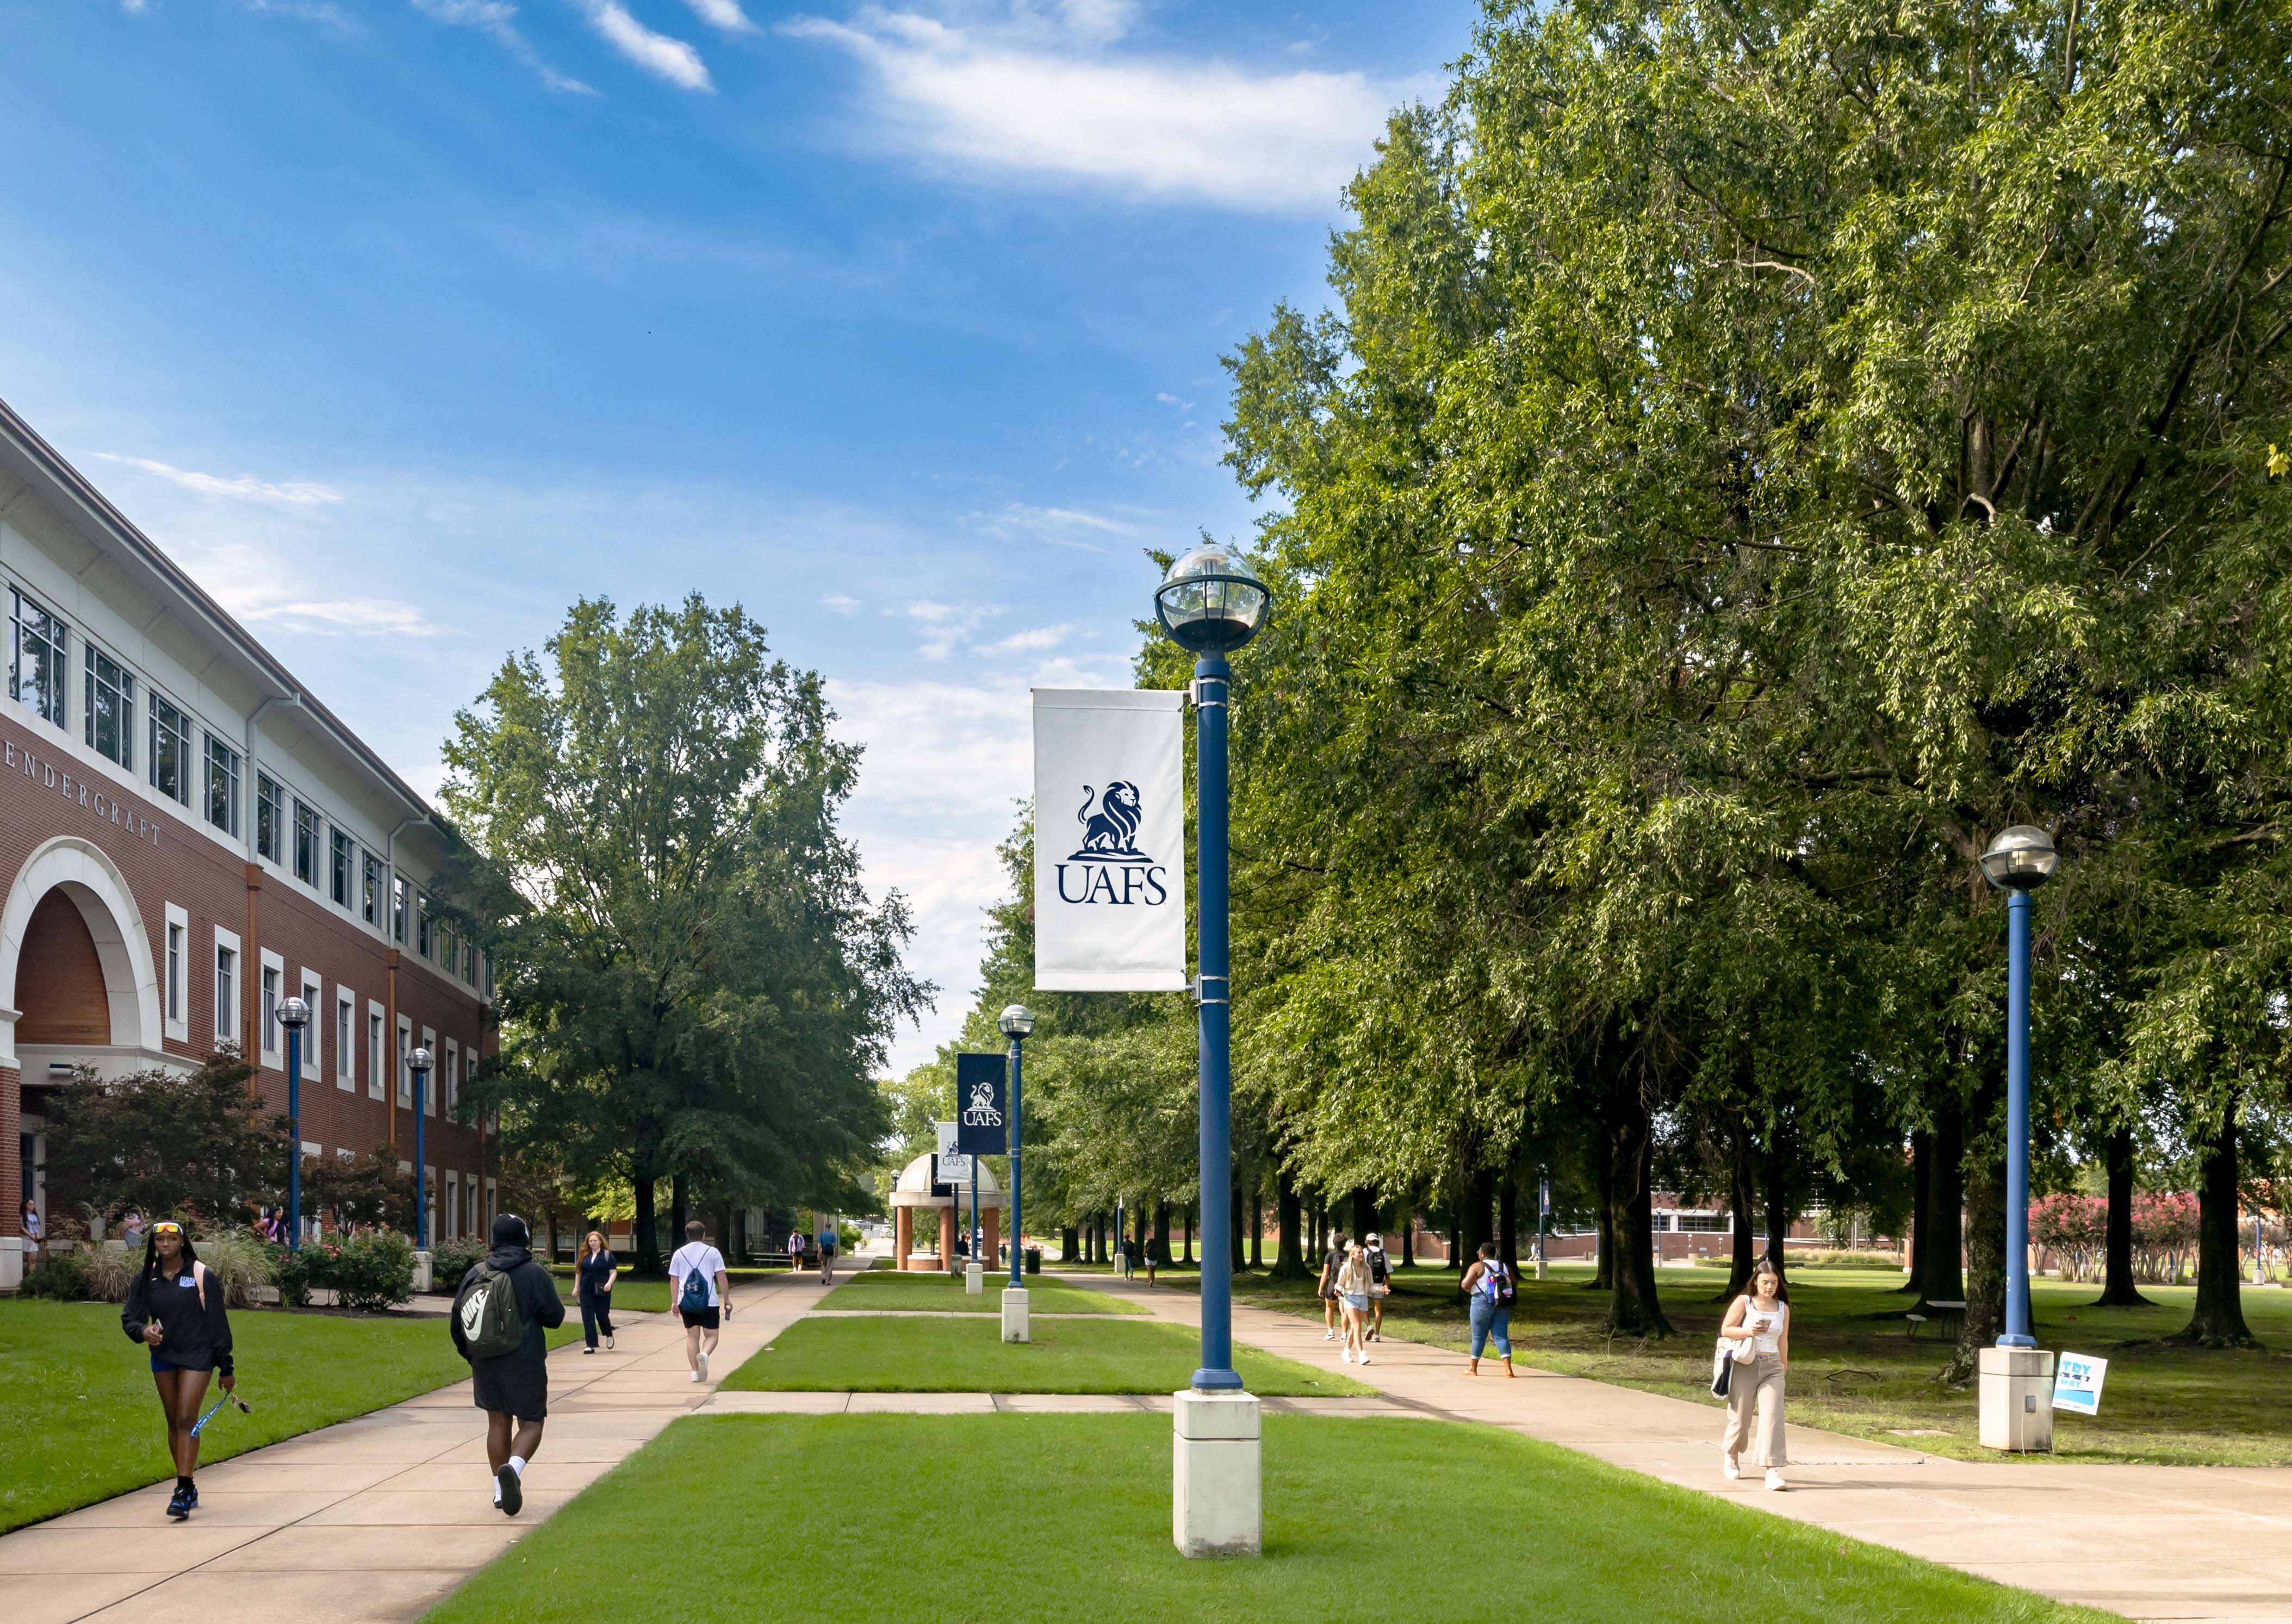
1034 1261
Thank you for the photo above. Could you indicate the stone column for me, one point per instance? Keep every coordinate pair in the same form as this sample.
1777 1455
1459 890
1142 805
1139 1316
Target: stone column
989 1221
12 1128
903 1232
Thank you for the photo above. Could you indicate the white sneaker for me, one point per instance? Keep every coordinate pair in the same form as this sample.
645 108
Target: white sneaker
696 1376
1346 1355
1364 1358
1775 1480
1328 1336
702 1374
1728 1469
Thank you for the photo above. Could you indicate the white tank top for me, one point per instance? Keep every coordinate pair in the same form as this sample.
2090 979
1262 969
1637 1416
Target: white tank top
1765 1325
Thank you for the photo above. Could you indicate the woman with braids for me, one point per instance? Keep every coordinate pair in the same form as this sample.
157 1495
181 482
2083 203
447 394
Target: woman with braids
174 1308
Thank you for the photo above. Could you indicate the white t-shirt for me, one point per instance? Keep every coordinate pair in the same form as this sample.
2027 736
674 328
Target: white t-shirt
694 1257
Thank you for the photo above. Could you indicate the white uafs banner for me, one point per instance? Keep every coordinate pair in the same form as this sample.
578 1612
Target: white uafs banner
1109 840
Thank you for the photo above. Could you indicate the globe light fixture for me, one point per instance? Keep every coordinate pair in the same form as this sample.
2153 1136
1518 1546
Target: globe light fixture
1017 1021
1212 602
2021 858
294 1014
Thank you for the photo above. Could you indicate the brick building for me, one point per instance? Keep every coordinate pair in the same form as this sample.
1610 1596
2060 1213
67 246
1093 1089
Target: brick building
189 838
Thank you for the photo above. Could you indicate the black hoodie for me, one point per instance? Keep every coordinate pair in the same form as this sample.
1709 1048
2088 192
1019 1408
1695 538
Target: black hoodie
539 1308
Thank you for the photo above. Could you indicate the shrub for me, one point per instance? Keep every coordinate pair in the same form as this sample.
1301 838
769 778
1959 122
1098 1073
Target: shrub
239 1258
452 1260
62 1276
366 1272
109 1272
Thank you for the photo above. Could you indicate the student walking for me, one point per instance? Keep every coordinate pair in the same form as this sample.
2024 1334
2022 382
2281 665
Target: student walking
697 1285
1761 1317
796 1249
828 1244
174 1308
595 1273
1352 1294
501 1309
1491 1291
1380 1285
31 1234
1333 1259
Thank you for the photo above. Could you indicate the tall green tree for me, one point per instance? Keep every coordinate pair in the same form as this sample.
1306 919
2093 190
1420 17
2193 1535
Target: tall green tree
694 983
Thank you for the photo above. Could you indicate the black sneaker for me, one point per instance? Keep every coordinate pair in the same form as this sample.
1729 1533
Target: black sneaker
512 1497
179 1504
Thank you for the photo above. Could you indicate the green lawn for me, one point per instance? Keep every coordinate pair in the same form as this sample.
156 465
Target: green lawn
884 1289
1078 1528
83 1422
1854 1368
632 1295
969 1356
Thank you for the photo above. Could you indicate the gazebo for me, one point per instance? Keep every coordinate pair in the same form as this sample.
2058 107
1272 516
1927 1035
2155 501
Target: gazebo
913 1189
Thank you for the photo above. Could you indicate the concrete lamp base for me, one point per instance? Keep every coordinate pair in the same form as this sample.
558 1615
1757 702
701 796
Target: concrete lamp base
421 1272
1215 1500
1015 1315
2017 1400
974 1280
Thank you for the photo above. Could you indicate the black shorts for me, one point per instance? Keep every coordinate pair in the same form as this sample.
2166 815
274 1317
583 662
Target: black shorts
512 1386
706 1318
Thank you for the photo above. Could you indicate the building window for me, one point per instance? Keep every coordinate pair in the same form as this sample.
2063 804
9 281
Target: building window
223 786
449 1076
306 846
425 934
374 1066
346 1038
36 673
110 710
269 1010
436 1079
405 1071
270 817
174 971
226 1019
398 890
314 1038
369 888
470 962
171 751
341 873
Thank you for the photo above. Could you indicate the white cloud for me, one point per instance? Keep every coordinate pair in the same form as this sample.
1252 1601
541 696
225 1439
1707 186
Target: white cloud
1042 95
241 487
947 624
838 602
657 54
1059 526
498 19
263 587
1172 400
1041 639
725 15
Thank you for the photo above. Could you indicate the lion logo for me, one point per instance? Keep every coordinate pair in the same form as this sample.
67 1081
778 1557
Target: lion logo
1110 834
982 1111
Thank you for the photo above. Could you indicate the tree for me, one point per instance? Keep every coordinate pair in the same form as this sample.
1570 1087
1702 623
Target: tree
692 982
167 1143
360 1190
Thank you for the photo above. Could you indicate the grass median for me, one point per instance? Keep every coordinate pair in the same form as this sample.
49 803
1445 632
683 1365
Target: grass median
969 1356
1540 1533
1855 1369
83 1420
886 1290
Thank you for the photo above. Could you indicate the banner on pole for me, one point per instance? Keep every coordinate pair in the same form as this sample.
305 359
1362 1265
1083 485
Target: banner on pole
979 1120
954 1167
1109 840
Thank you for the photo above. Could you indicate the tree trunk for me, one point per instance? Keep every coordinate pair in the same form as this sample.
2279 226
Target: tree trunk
677 1212
1604 1165
2118 1290
1408 1236
1942 1269
1921 1176
1508 1223
2218 1321
1985 1240
1257 1225
1364 1215
1186 1224
1743 1205
1234 1257
647 1261
1289 1211
1778 1214
1633 1310
1484 1201
1071 1243
1161 1242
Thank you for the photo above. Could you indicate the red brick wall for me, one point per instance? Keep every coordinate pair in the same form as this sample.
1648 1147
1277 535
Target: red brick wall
166 859
59 978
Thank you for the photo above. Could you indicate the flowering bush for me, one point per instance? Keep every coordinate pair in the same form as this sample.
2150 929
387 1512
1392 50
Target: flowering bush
366 1272
2075 1228
2164 1233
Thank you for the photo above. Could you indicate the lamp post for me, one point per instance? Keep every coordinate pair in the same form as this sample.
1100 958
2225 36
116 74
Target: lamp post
1211 603
2020 860
418 1063
294 1015
1016 1021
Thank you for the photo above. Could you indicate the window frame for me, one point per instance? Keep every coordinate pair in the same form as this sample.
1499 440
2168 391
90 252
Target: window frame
54 703
377 1043
272 978
307 825
220 759
342 861
314 1030
178 734
175 974
122 708
228 1008
269 813
346 1036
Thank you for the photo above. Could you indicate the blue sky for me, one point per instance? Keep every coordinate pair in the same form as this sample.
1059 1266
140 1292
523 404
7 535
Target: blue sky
404 322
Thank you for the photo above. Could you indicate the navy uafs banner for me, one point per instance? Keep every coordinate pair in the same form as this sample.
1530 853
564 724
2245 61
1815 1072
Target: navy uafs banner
980 1125
1109 840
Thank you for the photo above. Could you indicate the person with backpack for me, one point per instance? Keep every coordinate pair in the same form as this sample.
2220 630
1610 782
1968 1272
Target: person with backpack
174 1308
1332 1260
501 1310
828 1244
1380 1285
796 1249
696 1285
1490 1290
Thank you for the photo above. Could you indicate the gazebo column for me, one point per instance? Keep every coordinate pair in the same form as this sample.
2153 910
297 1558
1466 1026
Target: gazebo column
990 1218
903 1232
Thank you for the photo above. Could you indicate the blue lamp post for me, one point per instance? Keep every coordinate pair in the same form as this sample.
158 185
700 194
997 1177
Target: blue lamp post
1017 1021
294 1015
2018 862
1211 603
418 1063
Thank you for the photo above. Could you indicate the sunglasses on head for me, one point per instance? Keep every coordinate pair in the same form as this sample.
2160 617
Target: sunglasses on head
166 1229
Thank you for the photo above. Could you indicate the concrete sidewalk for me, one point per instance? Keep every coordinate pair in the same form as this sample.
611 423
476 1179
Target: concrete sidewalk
2151 1542
379 1517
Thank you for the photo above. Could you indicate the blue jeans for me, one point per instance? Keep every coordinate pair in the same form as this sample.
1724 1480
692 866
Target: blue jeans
1488 1320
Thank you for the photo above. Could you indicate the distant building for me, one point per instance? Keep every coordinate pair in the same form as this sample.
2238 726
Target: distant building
189 838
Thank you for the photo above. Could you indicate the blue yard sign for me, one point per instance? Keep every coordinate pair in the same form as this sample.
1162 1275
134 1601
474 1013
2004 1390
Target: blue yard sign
979 1106
2076 1384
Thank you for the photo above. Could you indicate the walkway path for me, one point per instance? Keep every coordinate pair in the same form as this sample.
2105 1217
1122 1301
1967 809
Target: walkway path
375 1518
2152 1542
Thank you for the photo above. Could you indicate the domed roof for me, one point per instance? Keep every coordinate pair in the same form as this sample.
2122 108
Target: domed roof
912 1189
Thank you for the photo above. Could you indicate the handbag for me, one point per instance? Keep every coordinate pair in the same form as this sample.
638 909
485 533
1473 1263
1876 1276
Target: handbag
1722 1367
